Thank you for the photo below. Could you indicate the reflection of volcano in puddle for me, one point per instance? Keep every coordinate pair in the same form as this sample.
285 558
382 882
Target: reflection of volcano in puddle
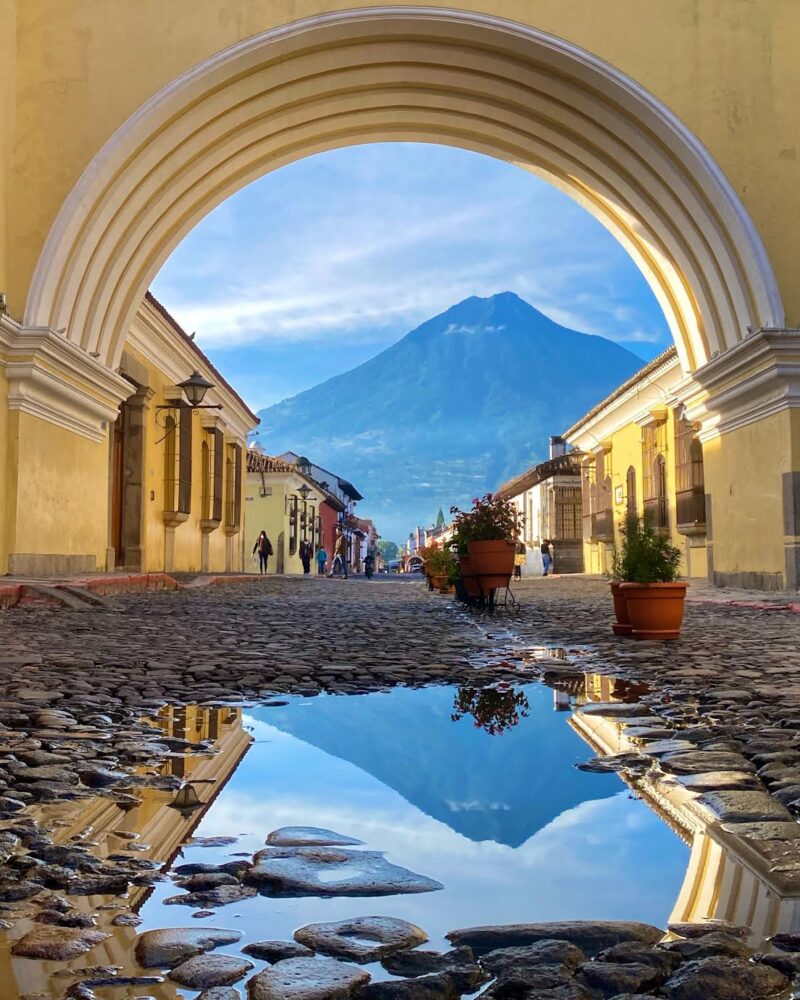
505 822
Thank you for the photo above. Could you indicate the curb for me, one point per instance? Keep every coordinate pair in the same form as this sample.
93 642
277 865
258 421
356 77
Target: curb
12 595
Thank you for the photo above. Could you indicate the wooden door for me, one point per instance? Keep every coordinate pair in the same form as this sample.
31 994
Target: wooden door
117 463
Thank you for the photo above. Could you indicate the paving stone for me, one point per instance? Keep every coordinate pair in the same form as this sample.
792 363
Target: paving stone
307 979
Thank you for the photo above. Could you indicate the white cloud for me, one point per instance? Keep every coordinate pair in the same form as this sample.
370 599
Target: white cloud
358 242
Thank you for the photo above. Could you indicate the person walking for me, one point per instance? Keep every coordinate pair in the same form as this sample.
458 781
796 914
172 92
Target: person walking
305 556
547 555
263 547
340 557
369 566
322 559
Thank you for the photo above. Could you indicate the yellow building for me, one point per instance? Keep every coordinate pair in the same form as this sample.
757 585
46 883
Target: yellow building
675 124
157 488
287 504
642 456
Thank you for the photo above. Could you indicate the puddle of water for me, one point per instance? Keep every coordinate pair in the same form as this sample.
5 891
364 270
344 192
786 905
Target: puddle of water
473 787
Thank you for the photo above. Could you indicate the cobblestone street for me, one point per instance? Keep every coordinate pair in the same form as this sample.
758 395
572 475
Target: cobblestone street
717 712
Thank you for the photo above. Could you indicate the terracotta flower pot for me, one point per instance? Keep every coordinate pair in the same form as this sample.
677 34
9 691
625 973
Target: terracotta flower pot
439 580
492 562
655 609
622 625
471 584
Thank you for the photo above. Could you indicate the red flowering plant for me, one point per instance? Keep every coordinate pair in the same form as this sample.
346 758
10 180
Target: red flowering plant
491 519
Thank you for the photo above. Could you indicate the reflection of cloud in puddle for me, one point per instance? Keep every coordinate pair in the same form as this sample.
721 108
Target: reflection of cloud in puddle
476 805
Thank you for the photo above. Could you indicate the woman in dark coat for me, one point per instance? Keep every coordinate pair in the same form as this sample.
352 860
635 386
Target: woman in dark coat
263 547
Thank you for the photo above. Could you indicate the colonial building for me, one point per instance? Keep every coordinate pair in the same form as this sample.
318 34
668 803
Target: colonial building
156 489
344 498
547 499
642 455
679 134
294 500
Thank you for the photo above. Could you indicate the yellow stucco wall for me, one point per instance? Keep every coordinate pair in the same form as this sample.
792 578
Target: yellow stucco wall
743 475
269 514
626 451
727 68
56 507
8 19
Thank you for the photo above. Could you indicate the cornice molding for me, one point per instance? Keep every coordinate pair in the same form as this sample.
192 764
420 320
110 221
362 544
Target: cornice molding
653 393
51 378
755 380
152 337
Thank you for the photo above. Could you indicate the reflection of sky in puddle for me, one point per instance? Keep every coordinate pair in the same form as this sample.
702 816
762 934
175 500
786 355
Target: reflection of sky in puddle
505 822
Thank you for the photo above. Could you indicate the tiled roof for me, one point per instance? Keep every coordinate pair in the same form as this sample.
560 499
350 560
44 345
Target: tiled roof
258 462
159 308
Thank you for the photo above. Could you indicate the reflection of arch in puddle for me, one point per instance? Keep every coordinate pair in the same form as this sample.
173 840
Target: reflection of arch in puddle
728 876
728 880
164 829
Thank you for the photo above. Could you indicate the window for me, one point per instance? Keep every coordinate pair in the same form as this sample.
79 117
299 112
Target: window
293 525
588 499
568 512
631 508
656 507
649 452
233 487
170 464
312 522
689 475
207 482
178 461
218 449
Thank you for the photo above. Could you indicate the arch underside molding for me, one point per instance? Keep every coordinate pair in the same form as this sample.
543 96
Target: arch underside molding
407 74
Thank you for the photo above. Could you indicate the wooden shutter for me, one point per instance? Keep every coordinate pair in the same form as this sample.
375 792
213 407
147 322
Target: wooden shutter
237 485
219 459
185 460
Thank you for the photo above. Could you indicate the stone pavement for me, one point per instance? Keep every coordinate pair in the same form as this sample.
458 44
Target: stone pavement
721 712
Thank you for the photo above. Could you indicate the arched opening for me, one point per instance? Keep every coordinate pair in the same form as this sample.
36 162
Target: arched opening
472 81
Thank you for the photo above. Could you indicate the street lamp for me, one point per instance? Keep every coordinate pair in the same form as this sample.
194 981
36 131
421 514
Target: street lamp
304 491
195 388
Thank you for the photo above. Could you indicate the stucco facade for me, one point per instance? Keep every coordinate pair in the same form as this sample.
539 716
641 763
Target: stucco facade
641 456
122 124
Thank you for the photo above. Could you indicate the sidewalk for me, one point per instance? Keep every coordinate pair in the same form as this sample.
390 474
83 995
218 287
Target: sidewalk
88 589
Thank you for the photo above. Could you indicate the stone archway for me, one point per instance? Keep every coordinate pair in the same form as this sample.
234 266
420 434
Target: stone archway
413 74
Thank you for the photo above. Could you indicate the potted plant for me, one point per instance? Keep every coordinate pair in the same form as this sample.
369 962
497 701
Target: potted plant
439 565
462 535
648 574
622 624
489 530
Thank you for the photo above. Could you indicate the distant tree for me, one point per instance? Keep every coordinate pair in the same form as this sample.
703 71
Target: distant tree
388 550
440 519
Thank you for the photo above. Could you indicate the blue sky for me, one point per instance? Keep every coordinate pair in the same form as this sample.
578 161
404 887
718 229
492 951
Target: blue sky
322 264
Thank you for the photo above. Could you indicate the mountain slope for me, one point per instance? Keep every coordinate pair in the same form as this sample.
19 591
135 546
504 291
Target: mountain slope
466 400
